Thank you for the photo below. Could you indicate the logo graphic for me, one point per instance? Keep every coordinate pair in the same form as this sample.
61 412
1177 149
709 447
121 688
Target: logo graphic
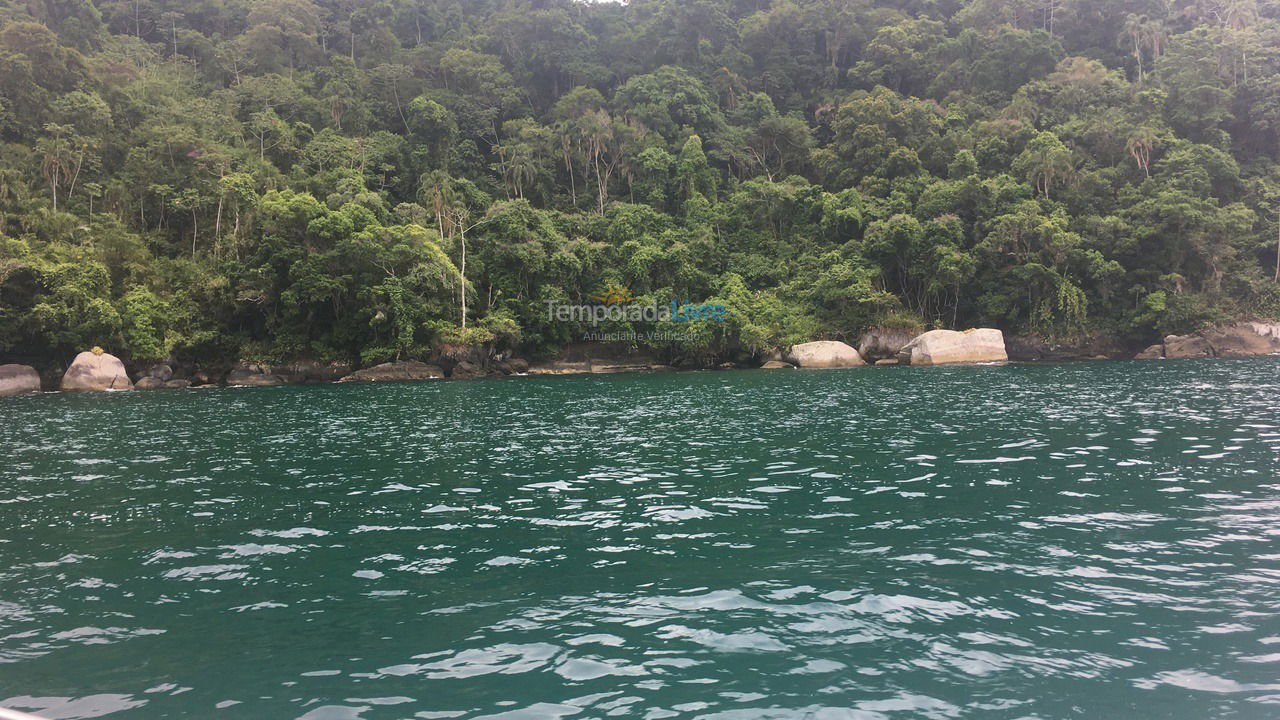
616 303
614 295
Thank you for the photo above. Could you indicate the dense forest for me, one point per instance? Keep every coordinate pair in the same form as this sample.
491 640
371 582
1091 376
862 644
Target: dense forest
337 179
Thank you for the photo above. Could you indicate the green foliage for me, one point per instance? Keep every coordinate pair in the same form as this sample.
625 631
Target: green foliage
304 177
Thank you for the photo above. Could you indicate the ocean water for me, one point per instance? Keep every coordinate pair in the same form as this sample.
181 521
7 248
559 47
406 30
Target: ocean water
1055 541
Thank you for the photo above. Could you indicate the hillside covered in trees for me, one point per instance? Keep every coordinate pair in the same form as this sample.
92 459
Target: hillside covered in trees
271 179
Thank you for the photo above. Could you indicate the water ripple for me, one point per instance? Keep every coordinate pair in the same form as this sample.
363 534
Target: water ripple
991 542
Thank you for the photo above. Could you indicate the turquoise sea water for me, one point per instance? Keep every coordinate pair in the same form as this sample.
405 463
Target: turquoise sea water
1061 541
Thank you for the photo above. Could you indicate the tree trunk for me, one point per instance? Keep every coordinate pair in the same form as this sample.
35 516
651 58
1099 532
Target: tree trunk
217 220
72 188
463 271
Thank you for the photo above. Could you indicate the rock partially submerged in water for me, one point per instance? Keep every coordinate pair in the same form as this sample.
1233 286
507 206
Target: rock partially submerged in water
310 371
250 375
512 366
597 367
605 367
948 347
777 365
293 373
824 354
1033 348
154 383
1154 352
396 372
883 343
1242 339
561 367
1187 346
18 379
149 383
467 370
95 370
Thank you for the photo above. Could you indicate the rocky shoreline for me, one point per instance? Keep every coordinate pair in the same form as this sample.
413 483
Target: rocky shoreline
97 370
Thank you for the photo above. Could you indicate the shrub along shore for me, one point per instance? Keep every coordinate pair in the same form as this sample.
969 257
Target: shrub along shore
97 370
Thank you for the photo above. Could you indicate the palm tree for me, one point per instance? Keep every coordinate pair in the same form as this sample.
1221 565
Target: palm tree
59 158
453 210
1045 161
1142 140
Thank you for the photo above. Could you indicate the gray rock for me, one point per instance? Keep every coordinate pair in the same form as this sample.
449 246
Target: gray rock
18 379
883 342
177 384
561 367
1246 339
396 372
252 376
311 371
1187 346
149 383
1035 348
467 370
512 366
329 372
289 374
161 372
608 367
94 371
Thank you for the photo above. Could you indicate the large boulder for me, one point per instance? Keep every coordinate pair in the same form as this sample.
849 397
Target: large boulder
18 379
95 370
1245 339
824 354
396 372
946 347
883 342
